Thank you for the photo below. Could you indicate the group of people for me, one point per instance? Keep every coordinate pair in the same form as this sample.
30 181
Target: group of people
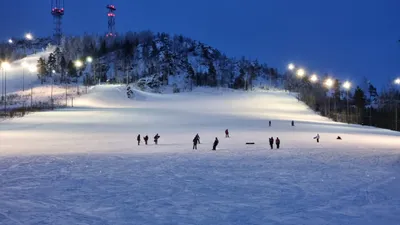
196 141
277 142
146 139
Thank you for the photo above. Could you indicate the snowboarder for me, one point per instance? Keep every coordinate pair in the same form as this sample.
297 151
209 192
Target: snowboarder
198 138
215 144
270 123
317 137
138 139
338 138
156 139
226 133
271 142
195 141
277 142
146 138
292 123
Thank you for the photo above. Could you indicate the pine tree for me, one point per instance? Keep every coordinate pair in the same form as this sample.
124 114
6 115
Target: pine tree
359 102
63 67
42 70
51 63
212 74
72 72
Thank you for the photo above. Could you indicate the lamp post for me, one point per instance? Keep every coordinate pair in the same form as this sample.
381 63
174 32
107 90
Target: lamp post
28 37
78 65
51 92
347 86
32 69
5 66
329 83
89 60
300 73
396 82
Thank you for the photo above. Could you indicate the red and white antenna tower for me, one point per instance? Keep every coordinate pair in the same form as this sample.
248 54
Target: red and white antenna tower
111 20
57 10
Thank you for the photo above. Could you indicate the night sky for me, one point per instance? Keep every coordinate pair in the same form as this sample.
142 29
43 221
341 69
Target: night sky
345 38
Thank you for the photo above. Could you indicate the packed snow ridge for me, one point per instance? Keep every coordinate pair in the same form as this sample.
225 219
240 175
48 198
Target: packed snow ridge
82 165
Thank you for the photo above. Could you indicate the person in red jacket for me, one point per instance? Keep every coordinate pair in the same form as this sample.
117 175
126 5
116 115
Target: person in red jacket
277 142
226 133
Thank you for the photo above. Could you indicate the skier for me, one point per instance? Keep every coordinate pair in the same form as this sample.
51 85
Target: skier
226 133
317 137
198 138
292 123
277 142
156 139
195 141
270 123
271 142
215 144
146 138
138 139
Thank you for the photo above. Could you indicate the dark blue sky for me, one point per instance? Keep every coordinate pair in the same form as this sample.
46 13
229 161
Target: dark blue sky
346 38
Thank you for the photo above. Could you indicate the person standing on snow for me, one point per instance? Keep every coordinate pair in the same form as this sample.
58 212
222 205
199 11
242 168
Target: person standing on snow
195 141
270 123
138 139
156 139
277 142
198 139
226 133
146 138
215 144
292 123
317 137
271 142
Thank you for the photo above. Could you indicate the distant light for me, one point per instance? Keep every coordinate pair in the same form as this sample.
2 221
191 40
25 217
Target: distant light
33 69
397 81
78 64
10 41
24 64
53 71
89 59
5 65
291 66
347 85
29 36
314 78
329 82
301 73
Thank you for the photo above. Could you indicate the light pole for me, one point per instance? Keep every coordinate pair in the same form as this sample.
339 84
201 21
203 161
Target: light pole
78 65
314 78
329 83
28 37
89 60
5 66
300 73
32 69
51 93
347 86
396 82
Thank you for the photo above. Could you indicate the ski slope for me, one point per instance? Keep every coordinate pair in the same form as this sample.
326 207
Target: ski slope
82 165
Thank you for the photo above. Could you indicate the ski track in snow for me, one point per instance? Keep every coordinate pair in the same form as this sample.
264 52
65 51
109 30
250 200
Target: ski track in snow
83 166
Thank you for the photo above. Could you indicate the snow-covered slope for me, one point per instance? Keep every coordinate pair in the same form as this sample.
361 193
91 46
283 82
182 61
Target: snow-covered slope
20 70
82 165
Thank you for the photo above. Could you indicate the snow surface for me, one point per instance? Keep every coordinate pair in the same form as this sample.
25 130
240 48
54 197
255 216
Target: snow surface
82 165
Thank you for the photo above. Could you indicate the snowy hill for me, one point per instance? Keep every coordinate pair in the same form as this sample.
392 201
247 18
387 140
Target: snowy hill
82 165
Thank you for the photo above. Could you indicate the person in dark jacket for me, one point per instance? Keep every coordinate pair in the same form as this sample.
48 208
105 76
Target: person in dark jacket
195 141
226 133
317 138
277 142
292 123
198 138
156 139
138 139
146 138
270 123
271 142
215 144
